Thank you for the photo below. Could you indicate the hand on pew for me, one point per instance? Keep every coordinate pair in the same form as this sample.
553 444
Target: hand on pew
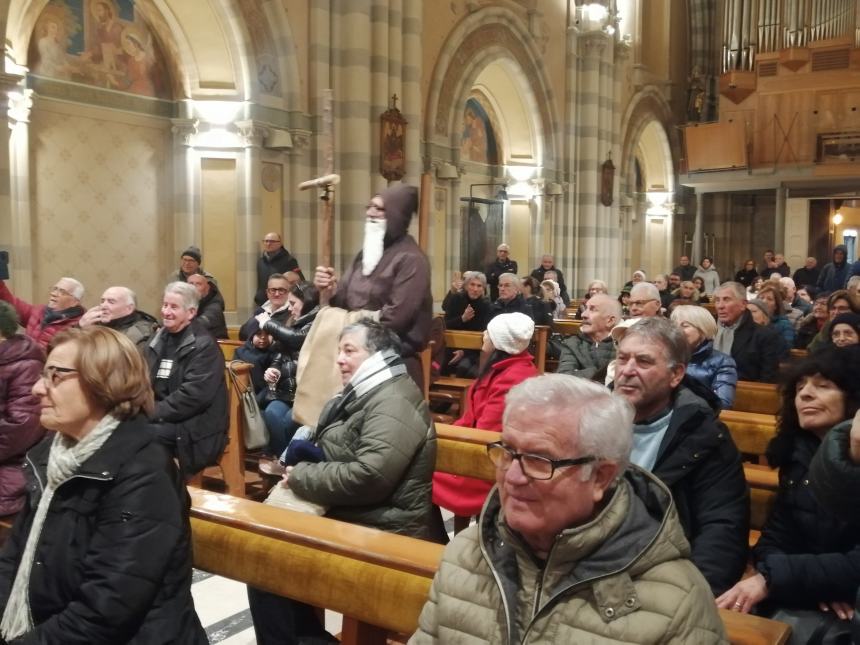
744 595
842 609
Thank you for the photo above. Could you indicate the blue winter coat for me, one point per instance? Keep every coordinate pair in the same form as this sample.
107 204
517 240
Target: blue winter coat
716 370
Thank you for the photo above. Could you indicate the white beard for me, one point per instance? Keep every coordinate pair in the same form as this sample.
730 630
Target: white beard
374 245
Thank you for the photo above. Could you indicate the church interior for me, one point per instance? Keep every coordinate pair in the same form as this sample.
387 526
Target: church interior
624 133
615 135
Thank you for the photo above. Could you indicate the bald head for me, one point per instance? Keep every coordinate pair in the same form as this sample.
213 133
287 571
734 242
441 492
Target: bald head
600 314
117 302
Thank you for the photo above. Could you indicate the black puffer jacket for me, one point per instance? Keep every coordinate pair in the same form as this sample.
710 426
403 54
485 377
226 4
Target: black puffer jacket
700 464
113 561
210 312
807 554
756 351
196 406
285 351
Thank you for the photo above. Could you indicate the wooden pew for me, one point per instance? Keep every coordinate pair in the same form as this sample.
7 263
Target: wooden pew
229 347
762 398
232 462
452 388
751 431
378 581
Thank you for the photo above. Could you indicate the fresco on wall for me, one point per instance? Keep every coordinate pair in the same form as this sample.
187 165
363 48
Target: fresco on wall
479 141
98 42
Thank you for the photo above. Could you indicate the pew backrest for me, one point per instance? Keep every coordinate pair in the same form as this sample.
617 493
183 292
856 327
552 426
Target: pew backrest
762 398
375 578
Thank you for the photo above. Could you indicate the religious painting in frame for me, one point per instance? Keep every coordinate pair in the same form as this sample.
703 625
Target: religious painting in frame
392 143
479 139
105 43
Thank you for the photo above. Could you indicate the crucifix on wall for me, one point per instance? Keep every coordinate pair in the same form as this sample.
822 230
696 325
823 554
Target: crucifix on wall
392 142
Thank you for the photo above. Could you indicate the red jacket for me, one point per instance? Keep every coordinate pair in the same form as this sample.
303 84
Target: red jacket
21 362
31 317
465 495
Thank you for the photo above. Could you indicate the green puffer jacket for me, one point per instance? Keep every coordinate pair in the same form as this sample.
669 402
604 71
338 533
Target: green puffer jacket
380 455
624 577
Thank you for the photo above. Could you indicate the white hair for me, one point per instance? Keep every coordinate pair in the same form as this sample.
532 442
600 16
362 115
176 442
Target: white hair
475 275
647 289
190 298
605 428
77 290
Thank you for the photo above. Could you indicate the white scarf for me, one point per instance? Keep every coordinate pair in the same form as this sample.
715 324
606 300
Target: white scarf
64 461
263 316
374 245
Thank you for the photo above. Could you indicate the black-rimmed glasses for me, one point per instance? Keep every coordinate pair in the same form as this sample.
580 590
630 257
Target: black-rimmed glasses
52 375
533 466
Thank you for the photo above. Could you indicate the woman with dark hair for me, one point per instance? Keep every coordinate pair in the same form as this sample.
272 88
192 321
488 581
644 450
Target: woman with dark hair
746 275
807 559
531 290
101 552
699 284
303 303
810 325
770 295
506 343
710 278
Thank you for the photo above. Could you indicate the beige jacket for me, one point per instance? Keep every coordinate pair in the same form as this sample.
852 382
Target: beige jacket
622 578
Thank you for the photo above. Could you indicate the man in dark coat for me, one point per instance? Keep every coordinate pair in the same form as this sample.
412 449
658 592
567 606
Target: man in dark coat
274 259
467 308
752 346
118 310
685 269
390 275
678 437
210 311
808 274
503 264
835 274
187 370
511 300
547 263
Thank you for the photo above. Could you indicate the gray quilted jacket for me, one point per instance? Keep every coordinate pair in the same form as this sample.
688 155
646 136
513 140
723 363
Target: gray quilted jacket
380 454
624 577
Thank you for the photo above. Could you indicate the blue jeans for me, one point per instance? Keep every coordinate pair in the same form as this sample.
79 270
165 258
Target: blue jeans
279 420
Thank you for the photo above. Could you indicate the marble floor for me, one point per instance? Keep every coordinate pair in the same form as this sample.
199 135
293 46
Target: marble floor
222 606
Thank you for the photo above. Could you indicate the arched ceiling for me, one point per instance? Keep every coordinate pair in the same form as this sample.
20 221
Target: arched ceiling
518 129
655 157
209 44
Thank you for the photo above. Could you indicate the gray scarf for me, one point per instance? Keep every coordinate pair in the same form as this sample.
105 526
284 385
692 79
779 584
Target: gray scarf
64 461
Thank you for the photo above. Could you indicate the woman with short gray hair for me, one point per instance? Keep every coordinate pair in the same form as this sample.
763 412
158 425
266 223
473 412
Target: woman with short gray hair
709 366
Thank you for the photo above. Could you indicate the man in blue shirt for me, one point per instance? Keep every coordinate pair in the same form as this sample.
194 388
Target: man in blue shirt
677 436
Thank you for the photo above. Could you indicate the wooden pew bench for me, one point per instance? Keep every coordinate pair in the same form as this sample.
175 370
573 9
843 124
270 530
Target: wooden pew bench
462 451
231 466
378 581
762 398
454 389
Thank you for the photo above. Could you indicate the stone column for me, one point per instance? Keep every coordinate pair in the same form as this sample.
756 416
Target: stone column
698 229
779 241
186 186
249 216
19 102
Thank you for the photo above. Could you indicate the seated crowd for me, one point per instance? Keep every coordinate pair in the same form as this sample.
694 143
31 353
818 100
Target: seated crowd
620 510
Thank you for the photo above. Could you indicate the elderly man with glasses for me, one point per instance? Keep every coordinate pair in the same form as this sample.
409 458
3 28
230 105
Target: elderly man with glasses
274 259
43 322
572 545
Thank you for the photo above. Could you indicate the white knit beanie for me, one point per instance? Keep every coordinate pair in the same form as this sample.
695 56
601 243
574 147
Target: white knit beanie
511 333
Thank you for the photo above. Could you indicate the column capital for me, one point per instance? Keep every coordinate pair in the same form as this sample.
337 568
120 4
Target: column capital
592 43
184 130
301 141
252 132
